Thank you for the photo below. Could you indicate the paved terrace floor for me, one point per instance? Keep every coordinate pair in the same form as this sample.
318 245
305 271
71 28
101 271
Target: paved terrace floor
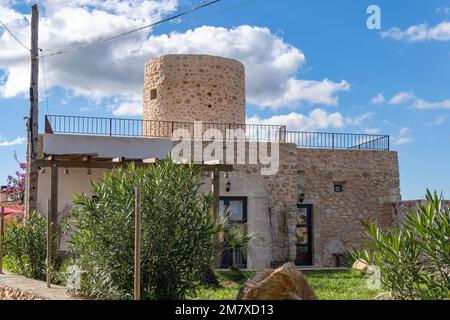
38 288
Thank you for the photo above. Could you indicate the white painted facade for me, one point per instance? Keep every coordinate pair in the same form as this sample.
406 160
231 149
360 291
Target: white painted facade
78 181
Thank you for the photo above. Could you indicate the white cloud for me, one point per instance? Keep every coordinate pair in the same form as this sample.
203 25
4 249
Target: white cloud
360 119
128 108
314 92
422 104
372 130
403 137
378 99
439 120
317 119
410 98
115 69
17 141
401 97
420 32
443 10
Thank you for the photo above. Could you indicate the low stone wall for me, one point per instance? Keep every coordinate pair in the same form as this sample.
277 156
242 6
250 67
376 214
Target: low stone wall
400 209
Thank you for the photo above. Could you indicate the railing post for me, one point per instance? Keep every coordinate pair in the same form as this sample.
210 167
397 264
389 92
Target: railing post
332 139
110 127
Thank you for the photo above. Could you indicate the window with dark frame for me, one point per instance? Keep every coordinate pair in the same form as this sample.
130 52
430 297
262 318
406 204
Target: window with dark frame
237 210
153 94
338 188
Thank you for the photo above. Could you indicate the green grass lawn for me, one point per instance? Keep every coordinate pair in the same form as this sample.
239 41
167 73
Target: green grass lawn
329 285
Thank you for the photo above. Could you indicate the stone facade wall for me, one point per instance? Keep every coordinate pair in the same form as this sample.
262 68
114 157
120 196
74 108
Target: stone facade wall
188 88
400 209
370 182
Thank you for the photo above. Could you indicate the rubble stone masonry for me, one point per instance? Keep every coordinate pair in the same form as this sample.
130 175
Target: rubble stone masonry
188 88
370 181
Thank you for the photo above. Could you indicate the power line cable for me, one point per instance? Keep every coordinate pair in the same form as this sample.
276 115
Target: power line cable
15 38
70 49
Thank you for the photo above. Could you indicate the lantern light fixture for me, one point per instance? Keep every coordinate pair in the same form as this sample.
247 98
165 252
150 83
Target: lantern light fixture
228 185
301 198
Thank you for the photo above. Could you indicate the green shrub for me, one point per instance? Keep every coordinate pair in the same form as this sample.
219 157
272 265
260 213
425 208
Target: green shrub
177 232
414 261
26 246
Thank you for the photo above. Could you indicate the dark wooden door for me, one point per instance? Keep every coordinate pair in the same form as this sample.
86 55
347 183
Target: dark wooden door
304 236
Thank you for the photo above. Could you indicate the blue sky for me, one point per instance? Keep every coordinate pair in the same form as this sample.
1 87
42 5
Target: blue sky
312 64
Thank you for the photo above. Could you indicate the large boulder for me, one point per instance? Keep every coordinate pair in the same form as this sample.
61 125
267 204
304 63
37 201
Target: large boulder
284 283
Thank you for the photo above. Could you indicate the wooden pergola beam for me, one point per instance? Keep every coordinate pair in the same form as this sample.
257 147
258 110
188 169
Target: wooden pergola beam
96 164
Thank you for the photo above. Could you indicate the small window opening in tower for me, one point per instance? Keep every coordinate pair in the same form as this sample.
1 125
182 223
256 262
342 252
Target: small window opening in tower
153 94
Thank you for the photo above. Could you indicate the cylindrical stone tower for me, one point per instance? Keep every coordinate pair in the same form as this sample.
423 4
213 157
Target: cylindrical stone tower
188 88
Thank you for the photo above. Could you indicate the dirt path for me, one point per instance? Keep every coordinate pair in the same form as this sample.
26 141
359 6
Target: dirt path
16 287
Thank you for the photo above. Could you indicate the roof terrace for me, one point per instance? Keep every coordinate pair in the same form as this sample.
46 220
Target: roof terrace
118 127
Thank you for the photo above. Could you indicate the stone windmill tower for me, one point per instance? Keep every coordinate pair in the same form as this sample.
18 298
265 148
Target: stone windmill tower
188 88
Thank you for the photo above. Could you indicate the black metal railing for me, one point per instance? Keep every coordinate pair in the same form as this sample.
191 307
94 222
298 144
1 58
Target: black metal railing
118 127
338 140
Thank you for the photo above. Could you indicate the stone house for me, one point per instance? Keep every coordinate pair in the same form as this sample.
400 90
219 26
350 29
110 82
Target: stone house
309 211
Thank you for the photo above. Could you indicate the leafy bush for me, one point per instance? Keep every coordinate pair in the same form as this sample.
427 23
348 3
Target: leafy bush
26 246
177 232
414 261
15 187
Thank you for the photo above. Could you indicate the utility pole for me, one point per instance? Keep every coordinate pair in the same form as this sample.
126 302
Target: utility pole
33 119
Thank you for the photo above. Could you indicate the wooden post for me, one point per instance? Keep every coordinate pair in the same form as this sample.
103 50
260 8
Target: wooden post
52 219
49 243
137 245
33 120
54 196
2 230
215 189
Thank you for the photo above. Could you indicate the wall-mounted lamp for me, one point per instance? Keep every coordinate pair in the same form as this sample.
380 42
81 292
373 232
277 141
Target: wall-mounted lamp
89 171
43 170
301 198
228 185
66 171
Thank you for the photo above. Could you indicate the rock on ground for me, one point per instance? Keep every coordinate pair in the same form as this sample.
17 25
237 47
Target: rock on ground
362 267
284 283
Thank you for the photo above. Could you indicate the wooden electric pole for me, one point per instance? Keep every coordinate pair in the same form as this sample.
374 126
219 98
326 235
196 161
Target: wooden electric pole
33 119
